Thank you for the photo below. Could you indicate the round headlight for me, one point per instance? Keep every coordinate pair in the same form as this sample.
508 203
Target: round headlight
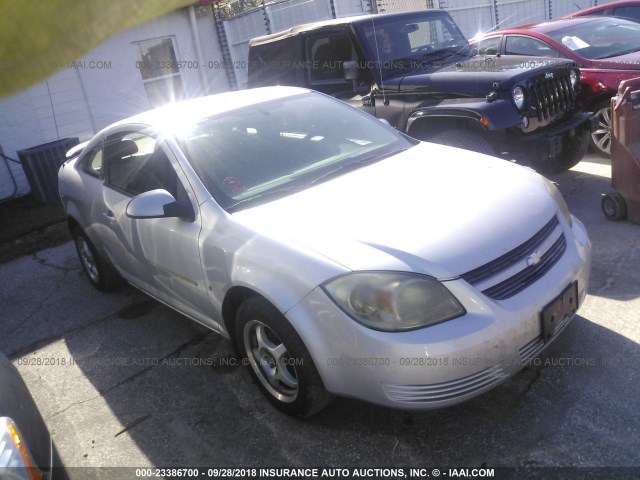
574 78
518 97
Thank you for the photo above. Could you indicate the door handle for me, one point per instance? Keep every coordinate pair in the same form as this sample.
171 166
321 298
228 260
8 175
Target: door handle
109 216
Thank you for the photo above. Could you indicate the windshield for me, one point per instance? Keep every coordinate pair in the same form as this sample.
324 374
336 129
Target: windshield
397 44
258 153
602 38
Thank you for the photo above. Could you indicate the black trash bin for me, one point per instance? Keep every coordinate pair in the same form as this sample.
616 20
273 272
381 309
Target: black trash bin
41 164
625 154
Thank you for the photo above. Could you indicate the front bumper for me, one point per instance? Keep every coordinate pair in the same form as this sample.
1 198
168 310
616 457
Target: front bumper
447 363
550 141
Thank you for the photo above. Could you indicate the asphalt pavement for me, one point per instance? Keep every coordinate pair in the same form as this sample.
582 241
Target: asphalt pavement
123 381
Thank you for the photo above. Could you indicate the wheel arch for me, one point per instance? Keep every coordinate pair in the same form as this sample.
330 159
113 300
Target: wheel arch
72 223
427 125
234 297
596 100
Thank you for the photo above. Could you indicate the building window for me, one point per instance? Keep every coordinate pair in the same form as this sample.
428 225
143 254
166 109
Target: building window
158 67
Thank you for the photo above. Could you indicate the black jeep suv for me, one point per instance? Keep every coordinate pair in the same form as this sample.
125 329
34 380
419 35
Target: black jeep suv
417 71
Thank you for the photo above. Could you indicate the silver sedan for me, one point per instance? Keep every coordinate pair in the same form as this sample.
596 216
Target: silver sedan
338 255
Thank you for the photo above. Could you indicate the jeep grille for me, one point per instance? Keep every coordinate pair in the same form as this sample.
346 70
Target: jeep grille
552 97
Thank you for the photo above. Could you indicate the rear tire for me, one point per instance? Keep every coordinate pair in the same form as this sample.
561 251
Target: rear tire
614 206
465 139
278 360
98 270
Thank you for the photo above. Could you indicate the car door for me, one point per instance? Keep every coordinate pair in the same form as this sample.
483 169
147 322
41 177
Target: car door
158 255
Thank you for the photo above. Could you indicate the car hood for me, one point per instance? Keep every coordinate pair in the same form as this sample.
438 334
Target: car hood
630 61
476 76
432 209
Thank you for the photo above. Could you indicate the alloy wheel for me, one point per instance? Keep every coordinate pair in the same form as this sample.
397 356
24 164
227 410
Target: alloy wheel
601 136
270 361
87 259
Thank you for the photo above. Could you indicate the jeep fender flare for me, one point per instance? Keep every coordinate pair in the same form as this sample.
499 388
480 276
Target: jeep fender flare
478 114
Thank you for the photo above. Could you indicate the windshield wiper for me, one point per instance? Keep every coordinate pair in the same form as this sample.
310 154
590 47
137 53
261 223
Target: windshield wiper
354 165
426 59
273 194
284 191
446 52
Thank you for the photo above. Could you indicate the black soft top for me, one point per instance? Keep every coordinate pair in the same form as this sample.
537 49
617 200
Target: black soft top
297 30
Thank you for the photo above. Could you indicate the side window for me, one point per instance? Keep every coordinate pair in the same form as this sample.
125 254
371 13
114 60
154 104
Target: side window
327 55
277 63
92 163
517 45
137 163
488 46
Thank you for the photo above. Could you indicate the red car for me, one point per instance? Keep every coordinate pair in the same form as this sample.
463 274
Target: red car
607 49
628 9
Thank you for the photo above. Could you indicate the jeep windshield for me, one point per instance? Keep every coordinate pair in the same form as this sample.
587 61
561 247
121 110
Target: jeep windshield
256 154
398 44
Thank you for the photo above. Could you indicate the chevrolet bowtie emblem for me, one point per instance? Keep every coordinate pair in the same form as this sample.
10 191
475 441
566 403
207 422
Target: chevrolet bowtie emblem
534 259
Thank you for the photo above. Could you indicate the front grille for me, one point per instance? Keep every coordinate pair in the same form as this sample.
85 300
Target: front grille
526 277
438 392
529 273
551 97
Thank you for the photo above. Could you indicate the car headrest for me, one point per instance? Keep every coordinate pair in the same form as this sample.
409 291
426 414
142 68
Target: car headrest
125 148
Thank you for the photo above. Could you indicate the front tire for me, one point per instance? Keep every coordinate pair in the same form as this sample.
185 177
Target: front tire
574 149
98 270
279 362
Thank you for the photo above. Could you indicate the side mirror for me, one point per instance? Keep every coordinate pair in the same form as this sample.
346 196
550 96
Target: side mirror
351 71
159 204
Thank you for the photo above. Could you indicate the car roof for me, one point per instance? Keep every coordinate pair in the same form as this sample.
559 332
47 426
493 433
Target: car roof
605 6
549 25
298 29
187 111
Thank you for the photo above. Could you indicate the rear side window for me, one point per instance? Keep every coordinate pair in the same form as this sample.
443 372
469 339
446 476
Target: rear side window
277 63
92 163
630 13
328 54
517 45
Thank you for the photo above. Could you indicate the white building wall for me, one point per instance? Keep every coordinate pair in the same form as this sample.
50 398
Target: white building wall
102 87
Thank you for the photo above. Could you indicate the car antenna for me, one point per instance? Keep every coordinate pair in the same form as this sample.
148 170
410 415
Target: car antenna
375 38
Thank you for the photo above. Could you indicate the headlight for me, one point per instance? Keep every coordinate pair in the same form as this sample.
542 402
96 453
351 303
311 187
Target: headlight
573 75
15 457
557 196
393 302
518 97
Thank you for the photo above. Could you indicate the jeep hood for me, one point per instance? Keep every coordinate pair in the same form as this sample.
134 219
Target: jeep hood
432 209
476 76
